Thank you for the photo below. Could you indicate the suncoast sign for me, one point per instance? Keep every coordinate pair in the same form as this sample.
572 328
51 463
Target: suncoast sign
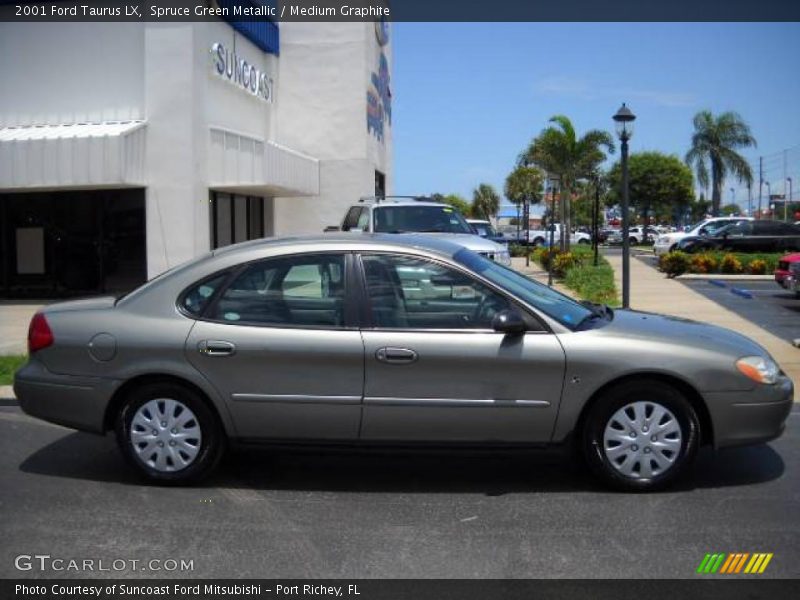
236 69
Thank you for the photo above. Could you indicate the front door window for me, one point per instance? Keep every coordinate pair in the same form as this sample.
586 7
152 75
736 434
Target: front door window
412 293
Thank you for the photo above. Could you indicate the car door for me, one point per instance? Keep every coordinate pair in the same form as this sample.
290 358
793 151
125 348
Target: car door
436 371
279 346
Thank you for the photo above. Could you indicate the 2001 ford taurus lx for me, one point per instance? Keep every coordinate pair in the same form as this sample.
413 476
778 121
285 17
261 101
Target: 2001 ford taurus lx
374 339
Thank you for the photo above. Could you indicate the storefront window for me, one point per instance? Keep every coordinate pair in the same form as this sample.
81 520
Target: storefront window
55 244
235 218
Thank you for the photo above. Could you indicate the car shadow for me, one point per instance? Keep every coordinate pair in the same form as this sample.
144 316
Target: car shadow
493 473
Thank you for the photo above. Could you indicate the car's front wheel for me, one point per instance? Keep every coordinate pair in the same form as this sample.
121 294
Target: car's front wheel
169 434
640 436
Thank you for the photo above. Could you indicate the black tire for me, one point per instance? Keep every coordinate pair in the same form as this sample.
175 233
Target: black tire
648 391
538 241
212 444
583 241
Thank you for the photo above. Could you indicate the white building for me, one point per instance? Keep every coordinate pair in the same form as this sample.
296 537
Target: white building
126 149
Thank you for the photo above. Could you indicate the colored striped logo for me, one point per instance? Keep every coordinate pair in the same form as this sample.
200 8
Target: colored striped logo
735 563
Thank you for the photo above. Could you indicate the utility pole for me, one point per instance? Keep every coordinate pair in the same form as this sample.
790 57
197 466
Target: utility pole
785 197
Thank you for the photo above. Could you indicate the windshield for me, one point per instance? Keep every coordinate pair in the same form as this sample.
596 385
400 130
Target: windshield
424 218
554 304
484 229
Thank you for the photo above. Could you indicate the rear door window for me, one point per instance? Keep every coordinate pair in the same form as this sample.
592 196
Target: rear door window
295 291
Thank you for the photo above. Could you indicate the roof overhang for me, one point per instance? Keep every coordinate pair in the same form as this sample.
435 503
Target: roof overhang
81 155
246 164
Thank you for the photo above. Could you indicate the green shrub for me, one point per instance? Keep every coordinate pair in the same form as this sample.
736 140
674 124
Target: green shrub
543 256
563 262
674 263
730 265
517 250
757 266
703 263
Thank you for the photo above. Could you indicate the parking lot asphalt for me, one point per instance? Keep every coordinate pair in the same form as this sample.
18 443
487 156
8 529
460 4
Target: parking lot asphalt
326 514
764 303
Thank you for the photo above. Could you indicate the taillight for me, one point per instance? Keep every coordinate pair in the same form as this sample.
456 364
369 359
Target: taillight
39 334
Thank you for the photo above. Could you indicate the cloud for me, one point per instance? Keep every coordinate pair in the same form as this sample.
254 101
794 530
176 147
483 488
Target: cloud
584 90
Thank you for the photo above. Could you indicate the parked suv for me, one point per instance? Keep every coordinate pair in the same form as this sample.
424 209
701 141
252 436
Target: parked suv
417 214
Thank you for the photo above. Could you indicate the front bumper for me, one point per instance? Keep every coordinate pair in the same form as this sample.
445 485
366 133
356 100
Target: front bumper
742 418
76 402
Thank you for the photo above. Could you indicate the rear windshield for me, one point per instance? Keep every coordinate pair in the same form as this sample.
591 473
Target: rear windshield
432 219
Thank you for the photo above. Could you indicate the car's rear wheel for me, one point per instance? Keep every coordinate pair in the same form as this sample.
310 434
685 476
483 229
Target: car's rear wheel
640 436
169 434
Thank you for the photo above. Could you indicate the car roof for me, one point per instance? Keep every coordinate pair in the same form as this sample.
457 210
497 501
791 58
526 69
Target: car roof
478 221
397 241
383 203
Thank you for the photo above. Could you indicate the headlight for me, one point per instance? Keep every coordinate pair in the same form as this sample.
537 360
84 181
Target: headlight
503 257
758 368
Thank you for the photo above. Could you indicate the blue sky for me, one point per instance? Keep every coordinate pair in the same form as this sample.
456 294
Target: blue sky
468 97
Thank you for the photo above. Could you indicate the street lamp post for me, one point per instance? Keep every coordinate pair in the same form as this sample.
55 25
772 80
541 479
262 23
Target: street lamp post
787 200
554 179
624 123
769 197
526 219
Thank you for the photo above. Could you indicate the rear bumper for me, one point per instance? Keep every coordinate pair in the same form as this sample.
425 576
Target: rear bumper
76 402
742 418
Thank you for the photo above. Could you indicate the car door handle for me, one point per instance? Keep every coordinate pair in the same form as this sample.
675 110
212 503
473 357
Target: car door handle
216 348
396 355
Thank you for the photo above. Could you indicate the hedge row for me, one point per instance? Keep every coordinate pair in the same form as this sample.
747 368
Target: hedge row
726 263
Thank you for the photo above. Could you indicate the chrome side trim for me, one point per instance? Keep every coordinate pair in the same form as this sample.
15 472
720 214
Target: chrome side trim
456 402
296 398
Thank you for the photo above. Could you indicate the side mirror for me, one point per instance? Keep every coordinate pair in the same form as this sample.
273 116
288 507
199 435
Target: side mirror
508 321
331 228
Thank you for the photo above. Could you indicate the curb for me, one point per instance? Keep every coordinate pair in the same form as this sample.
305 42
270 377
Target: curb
7 395
725 277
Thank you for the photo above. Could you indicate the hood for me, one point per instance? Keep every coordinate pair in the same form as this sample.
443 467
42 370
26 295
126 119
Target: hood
83 304
651 326
471 242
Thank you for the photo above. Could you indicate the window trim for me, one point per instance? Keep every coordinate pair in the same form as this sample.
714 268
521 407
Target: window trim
532 318
350 324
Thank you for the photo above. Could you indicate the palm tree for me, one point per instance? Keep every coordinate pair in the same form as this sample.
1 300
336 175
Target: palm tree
485 201
524 185
558 150
715 141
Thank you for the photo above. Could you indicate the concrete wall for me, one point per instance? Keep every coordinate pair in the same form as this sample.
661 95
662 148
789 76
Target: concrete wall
54 73
184 98
325 74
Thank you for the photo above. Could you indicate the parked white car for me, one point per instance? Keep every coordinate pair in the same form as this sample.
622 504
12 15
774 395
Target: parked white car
669 242
539 237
